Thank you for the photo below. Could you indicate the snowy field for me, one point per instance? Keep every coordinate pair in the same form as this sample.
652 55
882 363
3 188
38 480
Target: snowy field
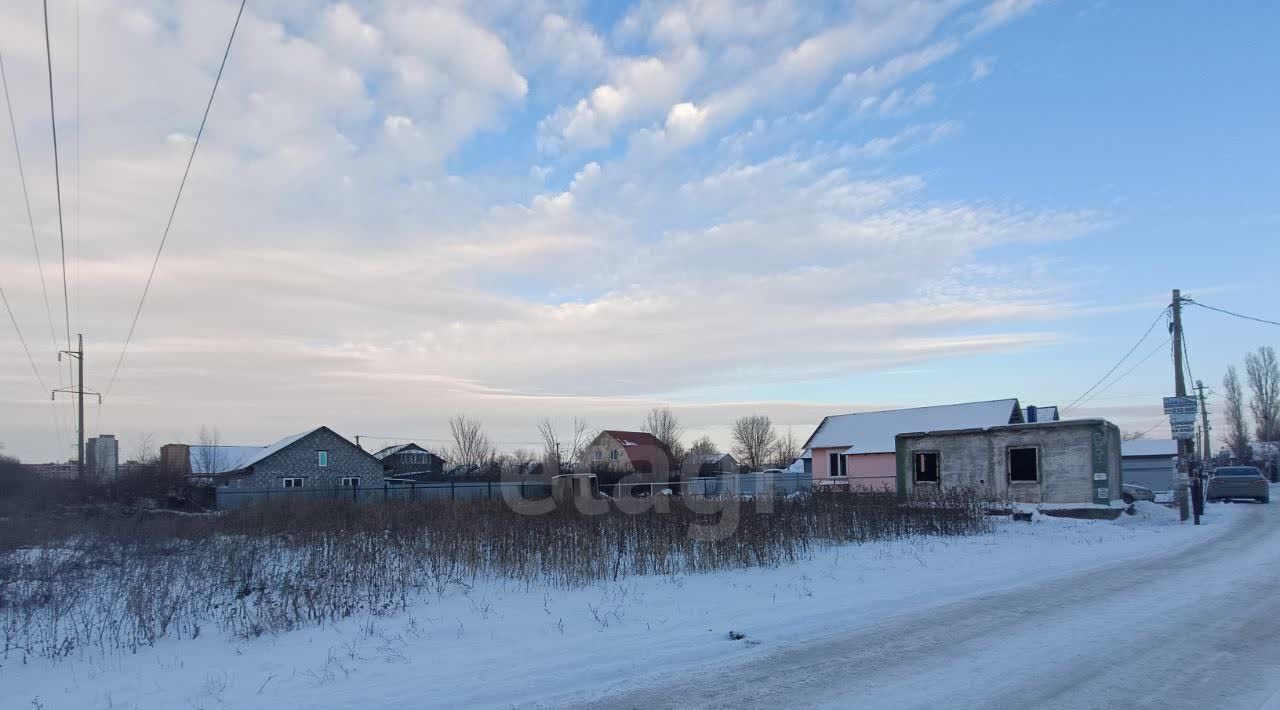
504 645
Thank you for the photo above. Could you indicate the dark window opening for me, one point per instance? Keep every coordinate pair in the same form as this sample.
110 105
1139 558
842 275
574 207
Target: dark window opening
926 463
839 466
1024 465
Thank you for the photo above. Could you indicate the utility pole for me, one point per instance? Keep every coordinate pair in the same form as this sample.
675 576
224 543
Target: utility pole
1204 425
78 391
1184 445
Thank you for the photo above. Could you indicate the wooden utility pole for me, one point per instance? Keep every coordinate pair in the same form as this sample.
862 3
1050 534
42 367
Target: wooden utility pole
1205 451
78 391
1186 447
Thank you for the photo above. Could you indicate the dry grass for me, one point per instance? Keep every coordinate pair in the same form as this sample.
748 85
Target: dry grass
121 580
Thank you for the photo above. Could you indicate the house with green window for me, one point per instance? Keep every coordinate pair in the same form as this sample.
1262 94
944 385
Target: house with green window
1076 461
315 459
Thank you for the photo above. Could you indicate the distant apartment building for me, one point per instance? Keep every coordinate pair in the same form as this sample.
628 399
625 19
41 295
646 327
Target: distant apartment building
102 458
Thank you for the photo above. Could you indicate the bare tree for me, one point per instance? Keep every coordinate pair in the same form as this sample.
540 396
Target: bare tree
568 449
579 439
701 448
695 459
754 439
788 449
665 427
517 462
1237 435
471 446
145 450
209 456
1264 385
550 439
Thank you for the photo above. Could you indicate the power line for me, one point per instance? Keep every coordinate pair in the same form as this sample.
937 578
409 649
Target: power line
26 199
79 282
1230 313
1122 360
1186 358
1152 428
177 198
57 173
22 340
1127 372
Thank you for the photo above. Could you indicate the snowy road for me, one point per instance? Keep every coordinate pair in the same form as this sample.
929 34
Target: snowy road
1193 629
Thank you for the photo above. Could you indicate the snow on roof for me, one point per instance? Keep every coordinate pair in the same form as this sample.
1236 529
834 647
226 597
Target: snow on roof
1149 447
225 459
220 459
634 438
381 454
874 432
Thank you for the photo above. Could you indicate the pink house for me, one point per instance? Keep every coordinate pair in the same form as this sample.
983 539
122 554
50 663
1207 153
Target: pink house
858 450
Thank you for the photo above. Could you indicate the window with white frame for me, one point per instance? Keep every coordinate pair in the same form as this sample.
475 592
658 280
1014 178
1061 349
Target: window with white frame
925 464
837 465
1024 464
350 481
613 454
322 458
293 482
598 455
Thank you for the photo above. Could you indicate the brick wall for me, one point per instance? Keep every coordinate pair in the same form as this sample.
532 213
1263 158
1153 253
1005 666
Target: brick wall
301 460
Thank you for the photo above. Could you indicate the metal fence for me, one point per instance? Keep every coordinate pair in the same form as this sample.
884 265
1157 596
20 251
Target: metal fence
740 484
730 484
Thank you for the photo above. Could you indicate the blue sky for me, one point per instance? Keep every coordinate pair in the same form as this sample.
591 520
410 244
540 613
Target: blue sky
402 211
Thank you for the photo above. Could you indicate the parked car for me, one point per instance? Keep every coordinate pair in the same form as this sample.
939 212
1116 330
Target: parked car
1130 493
1228 482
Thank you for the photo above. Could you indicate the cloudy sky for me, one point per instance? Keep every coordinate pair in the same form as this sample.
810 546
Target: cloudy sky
514 209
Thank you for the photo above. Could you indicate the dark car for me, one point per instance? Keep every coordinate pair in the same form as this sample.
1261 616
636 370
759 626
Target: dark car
1228 482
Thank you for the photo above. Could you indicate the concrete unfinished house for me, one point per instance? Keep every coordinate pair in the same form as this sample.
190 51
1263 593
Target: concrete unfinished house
1072 462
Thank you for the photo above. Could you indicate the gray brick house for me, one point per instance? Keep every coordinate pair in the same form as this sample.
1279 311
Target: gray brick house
318 458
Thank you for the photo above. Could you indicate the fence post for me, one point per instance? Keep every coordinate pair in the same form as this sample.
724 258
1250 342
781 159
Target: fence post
490 490
452 495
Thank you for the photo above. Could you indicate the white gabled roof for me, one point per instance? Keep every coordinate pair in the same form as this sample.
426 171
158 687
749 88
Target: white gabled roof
225 459
382 454
1149 447
874 432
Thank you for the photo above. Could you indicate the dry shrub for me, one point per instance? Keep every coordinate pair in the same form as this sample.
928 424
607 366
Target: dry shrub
119 582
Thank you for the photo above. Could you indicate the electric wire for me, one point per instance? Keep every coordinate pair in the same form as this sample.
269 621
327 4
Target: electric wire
1230 313
177 198
1122 360
57 174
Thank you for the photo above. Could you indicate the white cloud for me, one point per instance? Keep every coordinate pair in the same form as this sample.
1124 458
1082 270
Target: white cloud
638 88
981 68
569 47
892 71
898 102
339 259
1002 12
911 137
347 31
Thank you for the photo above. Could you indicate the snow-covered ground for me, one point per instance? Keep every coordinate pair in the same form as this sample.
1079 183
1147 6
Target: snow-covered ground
499 644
